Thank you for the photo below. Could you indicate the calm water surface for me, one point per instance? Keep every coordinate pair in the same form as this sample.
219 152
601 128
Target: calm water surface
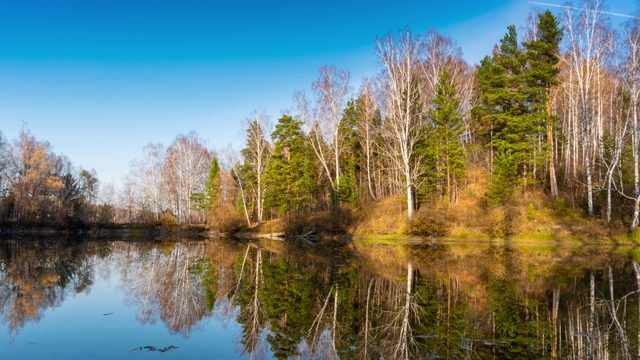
223 299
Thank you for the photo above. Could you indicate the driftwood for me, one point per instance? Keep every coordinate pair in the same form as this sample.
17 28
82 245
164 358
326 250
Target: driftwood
311 237
153 348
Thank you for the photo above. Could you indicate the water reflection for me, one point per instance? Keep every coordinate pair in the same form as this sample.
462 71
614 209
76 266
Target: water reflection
350 301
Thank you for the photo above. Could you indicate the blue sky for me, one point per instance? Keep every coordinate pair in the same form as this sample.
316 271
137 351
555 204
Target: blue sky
99 79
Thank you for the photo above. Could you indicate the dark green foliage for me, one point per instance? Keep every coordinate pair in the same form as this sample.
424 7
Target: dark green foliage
351 156
105 214
208 200
288 302
503 179
543 57
204 267
289 175
212 186
445 138
513 87
516 332
444 322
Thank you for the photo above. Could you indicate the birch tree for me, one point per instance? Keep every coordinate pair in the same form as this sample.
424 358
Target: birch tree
631 80
184 173
587 34
331 89
153 153
368 125
402 105
33 177
256 156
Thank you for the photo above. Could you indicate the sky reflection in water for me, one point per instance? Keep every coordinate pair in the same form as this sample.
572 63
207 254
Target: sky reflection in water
227 299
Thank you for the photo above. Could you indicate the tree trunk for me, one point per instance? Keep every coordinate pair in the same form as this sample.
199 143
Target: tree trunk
552 170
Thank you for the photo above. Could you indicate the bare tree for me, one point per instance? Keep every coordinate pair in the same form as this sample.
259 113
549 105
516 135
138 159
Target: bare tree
331 88
402 105
631 80
184 173
153 153
587 35
256 155
232 164
4 184
367 129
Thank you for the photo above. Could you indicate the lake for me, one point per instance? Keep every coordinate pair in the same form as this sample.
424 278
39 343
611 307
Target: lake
363 299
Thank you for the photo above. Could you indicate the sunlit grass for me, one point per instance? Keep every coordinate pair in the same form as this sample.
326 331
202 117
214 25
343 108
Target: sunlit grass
388 242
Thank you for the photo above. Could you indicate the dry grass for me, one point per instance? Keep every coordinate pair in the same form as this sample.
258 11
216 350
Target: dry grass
271 226
382 218
530 215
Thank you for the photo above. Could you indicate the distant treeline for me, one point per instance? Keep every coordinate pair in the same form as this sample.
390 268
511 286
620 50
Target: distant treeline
39 187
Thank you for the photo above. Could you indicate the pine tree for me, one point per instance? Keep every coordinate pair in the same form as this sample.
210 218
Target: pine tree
541 75
350 158
447 128
289 174
513 130
212 185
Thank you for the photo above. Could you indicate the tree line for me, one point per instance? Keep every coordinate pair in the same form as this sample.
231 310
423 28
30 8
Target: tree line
37 186
553 109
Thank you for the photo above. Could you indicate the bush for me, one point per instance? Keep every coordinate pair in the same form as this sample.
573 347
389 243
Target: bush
531 212
225 219
334 222
167 221
502 221
429 224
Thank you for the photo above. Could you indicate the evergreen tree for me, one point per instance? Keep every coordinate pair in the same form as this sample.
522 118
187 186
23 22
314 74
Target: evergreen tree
289 174
504 103
542 74
351 156
208 200
212 185
447 128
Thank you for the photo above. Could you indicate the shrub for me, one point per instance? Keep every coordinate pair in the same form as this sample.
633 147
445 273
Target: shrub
502 221
531 212
225 219
429 224
167 221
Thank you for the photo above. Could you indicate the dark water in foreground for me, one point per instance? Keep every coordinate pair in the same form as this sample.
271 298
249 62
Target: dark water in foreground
221 299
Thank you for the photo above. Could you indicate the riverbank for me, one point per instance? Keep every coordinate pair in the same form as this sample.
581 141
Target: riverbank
124 231
532 217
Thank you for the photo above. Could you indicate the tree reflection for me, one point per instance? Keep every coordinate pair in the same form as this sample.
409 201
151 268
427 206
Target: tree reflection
252 315
37 275
413 302
169 286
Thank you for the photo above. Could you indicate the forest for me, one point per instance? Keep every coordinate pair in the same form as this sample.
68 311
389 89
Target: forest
546 127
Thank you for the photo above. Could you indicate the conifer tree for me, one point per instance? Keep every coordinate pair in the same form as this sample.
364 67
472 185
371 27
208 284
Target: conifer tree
447 128
351 157
212 185
504 103
541 75
289 174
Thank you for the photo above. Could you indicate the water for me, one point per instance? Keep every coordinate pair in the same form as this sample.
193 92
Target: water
223 299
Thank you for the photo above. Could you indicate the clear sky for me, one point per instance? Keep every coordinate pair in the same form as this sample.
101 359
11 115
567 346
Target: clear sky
99 79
